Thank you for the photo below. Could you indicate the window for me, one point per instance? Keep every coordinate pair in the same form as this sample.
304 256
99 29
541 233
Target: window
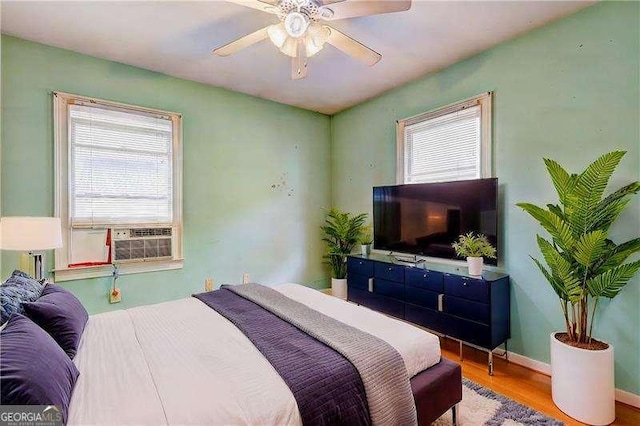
118 177
450 143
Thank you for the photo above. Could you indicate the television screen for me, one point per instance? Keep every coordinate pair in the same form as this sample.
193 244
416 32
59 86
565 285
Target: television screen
426 218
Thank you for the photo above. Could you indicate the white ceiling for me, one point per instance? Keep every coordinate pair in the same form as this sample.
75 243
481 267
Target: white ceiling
177 37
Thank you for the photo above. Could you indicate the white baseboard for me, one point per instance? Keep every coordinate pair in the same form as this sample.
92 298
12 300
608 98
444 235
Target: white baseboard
544 368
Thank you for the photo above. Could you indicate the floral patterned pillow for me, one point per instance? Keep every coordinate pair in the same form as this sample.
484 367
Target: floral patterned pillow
18 288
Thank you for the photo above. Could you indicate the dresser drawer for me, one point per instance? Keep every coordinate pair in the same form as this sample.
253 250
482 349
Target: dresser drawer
467 288
360 282
389 272
360 266
388 288
469 331
376 302
429 280
468 309
424 298
431 319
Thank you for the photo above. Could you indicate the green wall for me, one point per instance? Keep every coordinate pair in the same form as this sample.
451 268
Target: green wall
569 91
235 148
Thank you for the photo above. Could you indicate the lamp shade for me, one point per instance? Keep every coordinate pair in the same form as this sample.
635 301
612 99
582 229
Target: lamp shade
23 233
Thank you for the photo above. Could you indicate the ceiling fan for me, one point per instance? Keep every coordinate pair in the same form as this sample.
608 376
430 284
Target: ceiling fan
301 32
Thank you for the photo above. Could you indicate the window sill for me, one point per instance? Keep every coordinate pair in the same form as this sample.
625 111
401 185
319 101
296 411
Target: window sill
82 273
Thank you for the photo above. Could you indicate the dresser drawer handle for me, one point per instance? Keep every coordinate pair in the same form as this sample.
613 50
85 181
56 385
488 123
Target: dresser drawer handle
360 263
425 276
464 283
390 268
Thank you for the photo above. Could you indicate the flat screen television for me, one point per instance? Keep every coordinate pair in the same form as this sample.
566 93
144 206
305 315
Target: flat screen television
425 218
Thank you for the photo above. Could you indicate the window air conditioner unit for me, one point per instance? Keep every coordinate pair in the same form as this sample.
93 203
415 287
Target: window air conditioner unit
141 244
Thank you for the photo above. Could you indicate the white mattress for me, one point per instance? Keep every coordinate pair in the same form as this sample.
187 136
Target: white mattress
181 362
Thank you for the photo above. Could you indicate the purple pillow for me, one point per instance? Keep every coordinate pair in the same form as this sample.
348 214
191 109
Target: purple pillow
61 315
34 370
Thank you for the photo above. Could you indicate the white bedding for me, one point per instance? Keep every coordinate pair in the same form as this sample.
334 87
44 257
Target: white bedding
418 348
181 362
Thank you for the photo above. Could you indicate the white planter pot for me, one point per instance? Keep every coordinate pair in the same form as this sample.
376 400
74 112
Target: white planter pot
582 382
339 287
366 249
475 265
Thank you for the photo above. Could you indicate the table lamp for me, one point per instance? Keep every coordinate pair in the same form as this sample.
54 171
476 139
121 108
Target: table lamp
31 234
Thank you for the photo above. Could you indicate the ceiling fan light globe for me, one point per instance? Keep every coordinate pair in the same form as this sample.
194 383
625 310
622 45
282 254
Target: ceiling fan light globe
290 47
277 34
311 48
315 39
319 34
296 24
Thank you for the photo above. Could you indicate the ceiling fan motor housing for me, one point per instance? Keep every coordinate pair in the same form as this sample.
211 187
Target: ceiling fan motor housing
311 9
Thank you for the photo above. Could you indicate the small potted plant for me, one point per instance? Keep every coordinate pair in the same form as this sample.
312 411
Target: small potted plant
341 233
366 239
475 247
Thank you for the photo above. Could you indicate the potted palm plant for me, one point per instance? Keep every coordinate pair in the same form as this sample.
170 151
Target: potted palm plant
366 239
583 265
341 233
475 247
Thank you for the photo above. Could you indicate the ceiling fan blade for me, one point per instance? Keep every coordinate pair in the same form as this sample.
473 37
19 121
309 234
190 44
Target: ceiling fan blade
354 8
268 6
299 64
353 47
242 42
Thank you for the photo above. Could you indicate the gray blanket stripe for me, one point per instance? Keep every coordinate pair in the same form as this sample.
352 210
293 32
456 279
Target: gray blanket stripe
381 367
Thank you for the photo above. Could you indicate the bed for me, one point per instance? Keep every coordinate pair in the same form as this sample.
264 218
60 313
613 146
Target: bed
182 362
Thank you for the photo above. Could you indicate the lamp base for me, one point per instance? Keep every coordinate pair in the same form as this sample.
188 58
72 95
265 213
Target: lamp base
34 263
25 264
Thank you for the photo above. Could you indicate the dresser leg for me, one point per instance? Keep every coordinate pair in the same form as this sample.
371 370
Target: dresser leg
454 415
491 363
460 350
506 351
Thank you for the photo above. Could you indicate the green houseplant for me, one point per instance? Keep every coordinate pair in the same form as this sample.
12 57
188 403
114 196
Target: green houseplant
583 265
474 247
341 232
366 239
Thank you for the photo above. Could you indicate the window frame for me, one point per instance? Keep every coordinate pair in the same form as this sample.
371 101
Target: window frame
484 100
62 183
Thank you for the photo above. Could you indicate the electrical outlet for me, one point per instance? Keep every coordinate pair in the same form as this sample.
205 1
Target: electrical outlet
245 278
115 296
208 284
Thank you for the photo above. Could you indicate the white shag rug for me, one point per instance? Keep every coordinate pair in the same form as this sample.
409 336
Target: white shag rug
481 406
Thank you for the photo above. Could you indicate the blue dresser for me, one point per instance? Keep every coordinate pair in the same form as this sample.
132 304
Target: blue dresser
442 298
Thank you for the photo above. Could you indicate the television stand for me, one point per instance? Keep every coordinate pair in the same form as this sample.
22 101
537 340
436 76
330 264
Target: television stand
441 297
406 259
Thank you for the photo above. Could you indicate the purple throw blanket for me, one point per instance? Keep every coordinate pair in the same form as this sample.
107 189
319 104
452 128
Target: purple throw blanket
326 386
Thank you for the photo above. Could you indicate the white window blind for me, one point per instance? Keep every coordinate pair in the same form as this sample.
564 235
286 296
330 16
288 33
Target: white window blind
120 167
444 148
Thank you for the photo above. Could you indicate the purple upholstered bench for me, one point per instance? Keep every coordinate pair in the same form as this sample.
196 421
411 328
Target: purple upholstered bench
436 390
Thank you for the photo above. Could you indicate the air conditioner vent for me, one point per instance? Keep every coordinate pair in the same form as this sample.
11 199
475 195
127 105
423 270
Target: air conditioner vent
140 244
150 232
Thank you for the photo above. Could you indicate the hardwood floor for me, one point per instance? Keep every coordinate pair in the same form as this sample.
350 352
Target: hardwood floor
521 384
